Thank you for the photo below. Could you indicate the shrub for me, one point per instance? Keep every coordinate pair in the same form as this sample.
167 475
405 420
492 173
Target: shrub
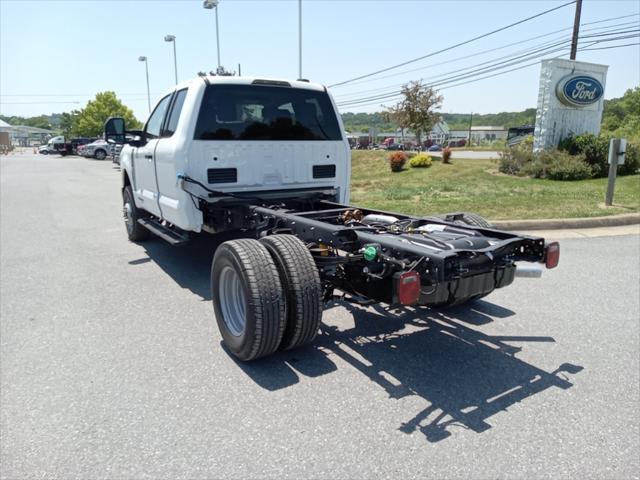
596 152
446 155
632 160
557 165
422 160
568 167
397 161
513 160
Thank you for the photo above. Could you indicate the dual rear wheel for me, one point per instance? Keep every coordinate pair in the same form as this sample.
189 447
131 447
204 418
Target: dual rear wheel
266 294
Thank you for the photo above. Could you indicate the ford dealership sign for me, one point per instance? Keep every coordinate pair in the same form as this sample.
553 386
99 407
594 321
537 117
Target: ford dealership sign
579 90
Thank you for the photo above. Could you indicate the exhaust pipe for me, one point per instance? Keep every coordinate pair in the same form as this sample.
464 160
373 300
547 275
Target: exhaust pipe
528 271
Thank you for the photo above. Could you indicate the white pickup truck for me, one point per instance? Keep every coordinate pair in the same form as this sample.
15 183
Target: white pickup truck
269 158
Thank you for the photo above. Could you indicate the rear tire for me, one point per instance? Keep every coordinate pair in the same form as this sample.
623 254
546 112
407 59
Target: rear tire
135 231
100 154
302 287
248 299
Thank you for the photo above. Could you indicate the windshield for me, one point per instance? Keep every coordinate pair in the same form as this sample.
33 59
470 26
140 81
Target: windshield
251 112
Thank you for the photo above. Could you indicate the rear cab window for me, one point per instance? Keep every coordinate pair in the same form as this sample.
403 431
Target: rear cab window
261 112
174 114
154 124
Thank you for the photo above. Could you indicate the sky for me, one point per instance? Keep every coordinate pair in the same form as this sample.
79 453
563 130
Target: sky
55 55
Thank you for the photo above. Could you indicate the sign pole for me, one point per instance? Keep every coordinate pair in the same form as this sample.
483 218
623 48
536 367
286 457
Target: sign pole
614 147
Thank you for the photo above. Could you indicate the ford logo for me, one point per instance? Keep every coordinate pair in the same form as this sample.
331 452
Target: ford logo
579 90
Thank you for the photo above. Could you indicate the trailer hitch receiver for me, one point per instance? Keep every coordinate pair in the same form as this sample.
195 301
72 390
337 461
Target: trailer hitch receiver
406 288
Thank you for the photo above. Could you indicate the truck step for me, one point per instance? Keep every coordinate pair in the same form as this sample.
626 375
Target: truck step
165 233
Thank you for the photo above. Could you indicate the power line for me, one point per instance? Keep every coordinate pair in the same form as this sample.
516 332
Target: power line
502 73
612 46
456 45
510 61
475 54
389 96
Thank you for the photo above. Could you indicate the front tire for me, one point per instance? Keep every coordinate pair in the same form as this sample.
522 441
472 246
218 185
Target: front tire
248 299
475 220
301 283
100 154
135 231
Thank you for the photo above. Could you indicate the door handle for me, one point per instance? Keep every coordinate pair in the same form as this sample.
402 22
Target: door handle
149 157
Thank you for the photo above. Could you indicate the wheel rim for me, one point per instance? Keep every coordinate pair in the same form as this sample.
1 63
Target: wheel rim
232 301
100 155
127 211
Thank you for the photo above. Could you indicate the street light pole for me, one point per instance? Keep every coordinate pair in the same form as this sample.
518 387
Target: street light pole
217 37
299 38
210 5
146 68
172 38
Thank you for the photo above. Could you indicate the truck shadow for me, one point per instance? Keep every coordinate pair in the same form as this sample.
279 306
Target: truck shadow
465 376
189 265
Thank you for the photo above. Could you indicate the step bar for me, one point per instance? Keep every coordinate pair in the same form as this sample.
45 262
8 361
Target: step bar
164 232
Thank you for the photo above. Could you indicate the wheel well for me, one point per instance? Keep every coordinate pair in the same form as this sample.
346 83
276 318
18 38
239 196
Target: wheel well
125 180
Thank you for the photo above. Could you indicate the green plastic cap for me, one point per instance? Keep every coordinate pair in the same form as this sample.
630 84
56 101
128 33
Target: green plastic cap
370 253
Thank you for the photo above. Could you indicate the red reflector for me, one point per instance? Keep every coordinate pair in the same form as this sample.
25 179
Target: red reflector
552 255
408 288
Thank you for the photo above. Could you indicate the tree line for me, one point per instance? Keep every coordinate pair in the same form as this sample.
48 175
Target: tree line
416 111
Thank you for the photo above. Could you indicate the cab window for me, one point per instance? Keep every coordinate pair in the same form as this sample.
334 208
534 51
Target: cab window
174 114
154 124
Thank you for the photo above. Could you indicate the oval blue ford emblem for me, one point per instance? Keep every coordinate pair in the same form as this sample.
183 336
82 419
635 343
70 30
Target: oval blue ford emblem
579 90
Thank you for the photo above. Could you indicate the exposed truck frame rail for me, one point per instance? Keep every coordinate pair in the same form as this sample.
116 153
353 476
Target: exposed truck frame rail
447 275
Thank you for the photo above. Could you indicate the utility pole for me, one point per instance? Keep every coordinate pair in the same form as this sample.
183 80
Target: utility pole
576 30
470 122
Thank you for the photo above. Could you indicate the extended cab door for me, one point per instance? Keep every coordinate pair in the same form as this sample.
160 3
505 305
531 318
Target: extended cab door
178 208
146 186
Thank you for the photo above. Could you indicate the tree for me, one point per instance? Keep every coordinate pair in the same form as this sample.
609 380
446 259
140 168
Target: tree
68 123
417 110
621 116
90 120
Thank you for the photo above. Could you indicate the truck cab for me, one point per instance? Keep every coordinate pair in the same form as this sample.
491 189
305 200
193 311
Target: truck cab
244 136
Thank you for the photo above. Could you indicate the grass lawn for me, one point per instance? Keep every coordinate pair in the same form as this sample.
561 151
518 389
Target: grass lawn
476 186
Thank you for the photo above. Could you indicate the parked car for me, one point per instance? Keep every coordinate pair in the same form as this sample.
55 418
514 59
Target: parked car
435 148
43 149
78 142
98 149
396 146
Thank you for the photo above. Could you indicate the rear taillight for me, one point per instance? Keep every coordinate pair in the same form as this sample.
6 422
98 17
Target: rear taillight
552 255
407 288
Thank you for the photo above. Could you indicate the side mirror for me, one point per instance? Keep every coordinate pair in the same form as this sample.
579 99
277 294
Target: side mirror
138 140
114 129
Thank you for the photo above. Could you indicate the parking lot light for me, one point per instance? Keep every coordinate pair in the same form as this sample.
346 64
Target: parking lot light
172 38
209 5
142 58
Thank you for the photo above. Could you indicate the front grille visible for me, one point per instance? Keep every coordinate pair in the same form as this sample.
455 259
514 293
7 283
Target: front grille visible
222 175
324 171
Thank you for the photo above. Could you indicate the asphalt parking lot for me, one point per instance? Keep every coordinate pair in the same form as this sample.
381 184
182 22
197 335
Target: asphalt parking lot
112 367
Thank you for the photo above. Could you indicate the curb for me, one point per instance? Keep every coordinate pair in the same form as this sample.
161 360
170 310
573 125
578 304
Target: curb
564 223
